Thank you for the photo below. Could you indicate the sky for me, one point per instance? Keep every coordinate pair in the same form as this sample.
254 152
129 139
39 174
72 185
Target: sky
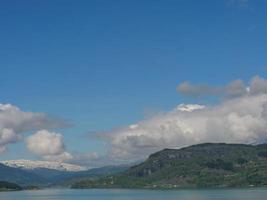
107 82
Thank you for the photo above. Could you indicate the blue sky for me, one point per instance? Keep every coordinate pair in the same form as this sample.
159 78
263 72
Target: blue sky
107 64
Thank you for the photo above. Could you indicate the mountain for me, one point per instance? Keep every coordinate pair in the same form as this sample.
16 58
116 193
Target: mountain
20 176
6 186
30 164
39 173
68 179
203 165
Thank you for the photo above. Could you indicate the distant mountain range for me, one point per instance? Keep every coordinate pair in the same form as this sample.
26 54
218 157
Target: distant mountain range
30 164
203 165
20 176
45 174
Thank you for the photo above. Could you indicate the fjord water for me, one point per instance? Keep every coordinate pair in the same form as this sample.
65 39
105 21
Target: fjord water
118 194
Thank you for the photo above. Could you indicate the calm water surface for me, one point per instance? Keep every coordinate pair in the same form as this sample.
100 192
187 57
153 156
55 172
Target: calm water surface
116 194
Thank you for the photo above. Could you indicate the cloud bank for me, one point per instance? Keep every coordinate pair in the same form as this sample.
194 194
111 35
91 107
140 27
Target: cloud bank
236 88
239 118
14 122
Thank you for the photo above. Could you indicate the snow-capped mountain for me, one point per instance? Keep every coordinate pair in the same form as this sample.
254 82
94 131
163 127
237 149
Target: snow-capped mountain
30 164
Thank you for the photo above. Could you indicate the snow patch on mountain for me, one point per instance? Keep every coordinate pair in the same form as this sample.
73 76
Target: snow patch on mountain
30 164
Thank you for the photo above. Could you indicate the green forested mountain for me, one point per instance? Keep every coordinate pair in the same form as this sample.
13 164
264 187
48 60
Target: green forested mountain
68 179
203 165
6 186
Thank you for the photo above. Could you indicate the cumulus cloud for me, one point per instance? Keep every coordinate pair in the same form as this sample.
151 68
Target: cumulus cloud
14 122
258 85
242 119
8 136
188 89
48 145
236 88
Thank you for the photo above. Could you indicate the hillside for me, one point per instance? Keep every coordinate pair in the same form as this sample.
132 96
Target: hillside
203 165
68 179
44 177
20 176
6 186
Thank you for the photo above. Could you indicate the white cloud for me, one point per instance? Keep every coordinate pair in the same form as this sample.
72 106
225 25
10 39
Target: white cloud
258 85
236 88
188 89
189 107
48 145
238 120
241 117
14 122
8 136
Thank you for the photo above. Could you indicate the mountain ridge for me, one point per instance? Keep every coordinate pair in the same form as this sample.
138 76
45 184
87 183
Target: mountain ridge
20 176
202 165
34 164
44 177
